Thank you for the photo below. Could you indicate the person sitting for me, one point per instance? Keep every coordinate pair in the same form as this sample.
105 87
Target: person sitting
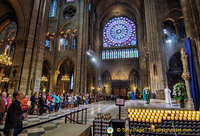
15 116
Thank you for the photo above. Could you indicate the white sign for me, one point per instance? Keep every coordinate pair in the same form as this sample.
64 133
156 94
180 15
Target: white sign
120 102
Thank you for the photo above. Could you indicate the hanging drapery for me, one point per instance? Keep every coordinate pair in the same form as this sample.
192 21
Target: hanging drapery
194 87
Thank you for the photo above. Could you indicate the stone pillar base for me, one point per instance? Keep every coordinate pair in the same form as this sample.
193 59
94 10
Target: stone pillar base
189 105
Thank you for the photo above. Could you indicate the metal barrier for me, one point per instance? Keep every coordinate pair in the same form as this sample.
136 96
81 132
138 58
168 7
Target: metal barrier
66 117
74 116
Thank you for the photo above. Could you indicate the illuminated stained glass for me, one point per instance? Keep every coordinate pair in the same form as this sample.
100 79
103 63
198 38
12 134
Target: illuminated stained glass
136 53
127 53
47 45
118 53
115 54
131 53
123 53
119 31
75 42
111 54
107 54
103 54
62 43
52 10
70 0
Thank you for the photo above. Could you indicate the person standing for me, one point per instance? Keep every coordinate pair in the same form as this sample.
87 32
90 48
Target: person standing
167 95
8 100
147 96
15 116
33 102
2 107
144 94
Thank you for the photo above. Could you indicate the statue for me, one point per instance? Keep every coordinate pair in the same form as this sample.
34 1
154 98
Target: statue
184 59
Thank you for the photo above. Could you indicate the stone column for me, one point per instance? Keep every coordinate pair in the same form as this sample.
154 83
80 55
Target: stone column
191 14
186 77
53 80
153 46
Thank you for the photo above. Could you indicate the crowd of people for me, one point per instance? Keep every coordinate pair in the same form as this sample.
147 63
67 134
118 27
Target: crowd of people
15 110
54 102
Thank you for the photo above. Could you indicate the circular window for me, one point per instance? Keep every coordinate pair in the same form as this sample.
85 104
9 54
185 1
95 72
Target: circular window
69 12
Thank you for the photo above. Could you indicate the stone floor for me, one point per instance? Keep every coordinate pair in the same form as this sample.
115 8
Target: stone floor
93 109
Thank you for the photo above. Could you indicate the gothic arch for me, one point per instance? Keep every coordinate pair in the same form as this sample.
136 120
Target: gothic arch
134 80
106 82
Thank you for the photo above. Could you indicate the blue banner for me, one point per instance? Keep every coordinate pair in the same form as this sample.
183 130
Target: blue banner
194 87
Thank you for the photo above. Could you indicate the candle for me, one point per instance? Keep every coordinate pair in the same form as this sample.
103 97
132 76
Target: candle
155 121
151 120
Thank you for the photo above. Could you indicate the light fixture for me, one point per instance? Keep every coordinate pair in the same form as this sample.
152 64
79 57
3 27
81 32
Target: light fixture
165 31
65 78
5 79
169 41
44 79
5 60
94 60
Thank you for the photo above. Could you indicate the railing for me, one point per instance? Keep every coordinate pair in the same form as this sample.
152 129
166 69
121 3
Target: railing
71 114
74 116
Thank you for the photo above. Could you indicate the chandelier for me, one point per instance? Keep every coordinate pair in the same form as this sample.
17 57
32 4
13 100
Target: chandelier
5 60
5 79
65 78
44 79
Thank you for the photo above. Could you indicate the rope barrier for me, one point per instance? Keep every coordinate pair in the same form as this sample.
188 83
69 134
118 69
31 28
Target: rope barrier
44 122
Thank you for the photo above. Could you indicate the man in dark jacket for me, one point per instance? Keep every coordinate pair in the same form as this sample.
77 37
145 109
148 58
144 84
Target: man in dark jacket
15 116
33 102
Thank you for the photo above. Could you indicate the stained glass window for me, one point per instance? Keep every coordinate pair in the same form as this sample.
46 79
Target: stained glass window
47 45
89 6
115 54
62 43
127 53
136 53
107 54
131 53
75 42
111 54
52 10
67 46
103 55
119 54
72 81
70 0
123 53
119 31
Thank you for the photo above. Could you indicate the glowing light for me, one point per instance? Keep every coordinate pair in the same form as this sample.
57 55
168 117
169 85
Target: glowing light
165 31
94 60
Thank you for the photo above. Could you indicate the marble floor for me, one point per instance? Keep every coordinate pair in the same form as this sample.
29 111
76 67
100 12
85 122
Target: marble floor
93 109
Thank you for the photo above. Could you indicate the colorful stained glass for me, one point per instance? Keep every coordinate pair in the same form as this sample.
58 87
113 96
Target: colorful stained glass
52 10
123 53
47 45
115 54
70 0
103 54
107 54
119 54
136 53
127 53
120 31
131 53
111 54
62 43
